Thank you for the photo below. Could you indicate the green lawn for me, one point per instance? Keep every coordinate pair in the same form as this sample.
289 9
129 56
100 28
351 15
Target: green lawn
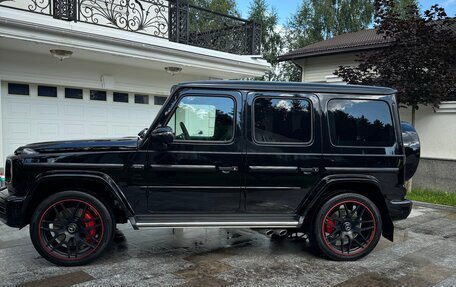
431 196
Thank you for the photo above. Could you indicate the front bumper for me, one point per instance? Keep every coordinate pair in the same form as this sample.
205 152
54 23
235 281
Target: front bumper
11 209
399 209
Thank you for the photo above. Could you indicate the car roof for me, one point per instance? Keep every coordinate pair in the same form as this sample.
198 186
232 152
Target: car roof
287 87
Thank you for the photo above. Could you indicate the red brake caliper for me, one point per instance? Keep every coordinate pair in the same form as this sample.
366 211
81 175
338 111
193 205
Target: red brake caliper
89 224
330 225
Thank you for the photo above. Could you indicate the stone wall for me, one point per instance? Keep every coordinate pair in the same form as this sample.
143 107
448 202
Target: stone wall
436 174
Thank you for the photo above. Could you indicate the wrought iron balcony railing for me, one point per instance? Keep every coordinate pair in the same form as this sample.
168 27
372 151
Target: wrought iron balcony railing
175 20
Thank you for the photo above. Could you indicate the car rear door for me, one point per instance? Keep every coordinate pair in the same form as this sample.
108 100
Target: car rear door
283 150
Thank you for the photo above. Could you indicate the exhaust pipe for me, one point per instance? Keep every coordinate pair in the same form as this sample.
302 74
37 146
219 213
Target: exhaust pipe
273 232
267 232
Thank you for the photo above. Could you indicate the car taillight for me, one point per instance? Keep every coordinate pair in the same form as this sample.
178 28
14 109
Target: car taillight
2 180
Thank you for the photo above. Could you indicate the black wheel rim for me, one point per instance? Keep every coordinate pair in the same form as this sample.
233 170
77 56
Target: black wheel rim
349 227
70 229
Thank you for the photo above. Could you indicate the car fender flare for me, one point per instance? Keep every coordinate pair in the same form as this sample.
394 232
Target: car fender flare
327 182
99 177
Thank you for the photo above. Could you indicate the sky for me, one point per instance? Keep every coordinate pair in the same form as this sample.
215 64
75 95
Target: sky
285 8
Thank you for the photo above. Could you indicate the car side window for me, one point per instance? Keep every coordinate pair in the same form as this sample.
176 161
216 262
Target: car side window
204 118
282 120
360 123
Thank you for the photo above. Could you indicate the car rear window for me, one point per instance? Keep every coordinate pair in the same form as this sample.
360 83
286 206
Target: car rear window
282 120
360 123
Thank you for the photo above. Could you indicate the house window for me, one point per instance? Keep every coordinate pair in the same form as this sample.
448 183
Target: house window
159 101
120 97
360 123
47 91
18 89
71 93
141 99
203 118
451 97
97 95
282 120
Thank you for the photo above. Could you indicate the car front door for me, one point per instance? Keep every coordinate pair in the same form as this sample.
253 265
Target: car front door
283 150
200 170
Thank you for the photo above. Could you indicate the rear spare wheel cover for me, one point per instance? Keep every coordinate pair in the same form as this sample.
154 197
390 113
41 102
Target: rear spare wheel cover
412 149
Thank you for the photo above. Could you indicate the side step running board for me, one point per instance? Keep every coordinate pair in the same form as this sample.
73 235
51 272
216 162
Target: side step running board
215 221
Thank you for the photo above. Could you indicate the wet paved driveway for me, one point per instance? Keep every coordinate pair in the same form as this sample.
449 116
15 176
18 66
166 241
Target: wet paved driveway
424 254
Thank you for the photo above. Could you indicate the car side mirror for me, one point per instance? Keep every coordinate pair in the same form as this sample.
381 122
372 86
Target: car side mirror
163 135
143 133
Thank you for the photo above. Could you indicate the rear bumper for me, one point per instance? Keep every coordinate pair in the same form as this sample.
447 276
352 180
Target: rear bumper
399 209
11 209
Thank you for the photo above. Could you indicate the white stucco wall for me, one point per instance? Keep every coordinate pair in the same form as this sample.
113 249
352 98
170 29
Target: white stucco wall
437 131
316 69
73 72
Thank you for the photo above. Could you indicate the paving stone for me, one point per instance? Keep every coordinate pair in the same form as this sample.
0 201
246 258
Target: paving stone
68 279
423 254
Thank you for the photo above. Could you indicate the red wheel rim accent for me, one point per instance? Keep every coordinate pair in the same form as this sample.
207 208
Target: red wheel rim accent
348 228
70 229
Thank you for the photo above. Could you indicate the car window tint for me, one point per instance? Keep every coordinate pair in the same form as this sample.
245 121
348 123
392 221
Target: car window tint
282 120
360 123
203 118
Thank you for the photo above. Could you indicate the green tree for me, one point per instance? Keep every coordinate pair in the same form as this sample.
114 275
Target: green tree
271 41
318 20
420 60
210 29
227 7
399 7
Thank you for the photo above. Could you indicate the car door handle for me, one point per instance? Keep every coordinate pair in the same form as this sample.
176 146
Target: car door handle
228 169
273 169
309 170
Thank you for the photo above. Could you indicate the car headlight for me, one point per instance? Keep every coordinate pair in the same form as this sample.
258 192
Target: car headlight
25 150
29 151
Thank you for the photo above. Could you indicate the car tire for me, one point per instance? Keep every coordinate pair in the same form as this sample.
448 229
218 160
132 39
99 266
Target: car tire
347 227
71 228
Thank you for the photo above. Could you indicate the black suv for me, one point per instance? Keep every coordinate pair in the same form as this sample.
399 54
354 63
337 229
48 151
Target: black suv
327 160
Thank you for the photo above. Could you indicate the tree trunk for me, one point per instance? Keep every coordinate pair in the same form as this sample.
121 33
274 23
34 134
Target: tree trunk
408 184
413 116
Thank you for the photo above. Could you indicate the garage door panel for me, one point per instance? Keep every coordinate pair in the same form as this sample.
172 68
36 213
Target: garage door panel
97 130
70 131
28 119
19 130
10 147
120 130
46 110
95 112
73 111
48 129
141 116
18 108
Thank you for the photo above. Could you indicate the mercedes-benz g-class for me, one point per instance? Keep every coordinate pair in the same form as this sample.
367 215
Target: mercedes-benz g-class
327 160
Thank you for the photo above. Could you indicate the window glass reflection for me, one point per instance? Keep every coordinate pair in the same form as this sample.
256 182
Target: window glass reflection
203 118
282 120
360 123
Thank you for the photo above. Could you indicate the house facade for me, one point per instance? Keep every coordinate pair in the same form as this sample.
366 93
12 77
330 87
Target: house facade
96 69
436 127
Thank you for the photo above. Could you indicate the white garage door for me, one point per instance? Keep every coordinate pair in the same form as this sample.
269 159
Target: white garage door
33 118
